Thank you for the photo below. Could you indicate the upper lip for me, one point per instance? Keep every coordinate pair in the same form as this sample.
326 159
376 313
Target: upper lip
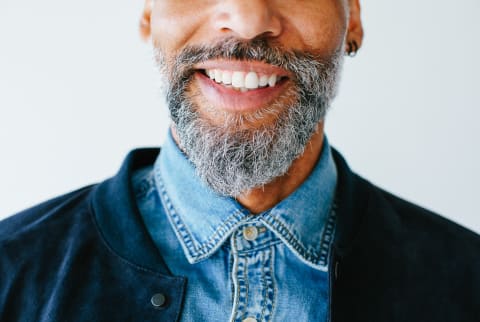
243 66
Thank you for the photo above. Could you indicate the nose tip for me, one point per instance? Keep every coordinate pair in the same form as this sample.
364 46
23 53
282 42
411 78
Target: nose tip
248 19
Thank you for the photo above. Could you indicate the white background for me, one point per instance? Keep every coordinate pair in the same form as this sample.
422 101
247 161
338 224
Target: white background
78 90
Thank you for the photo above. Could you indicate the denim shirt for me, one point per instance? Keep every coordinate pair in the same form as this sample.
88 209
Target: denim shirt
241 267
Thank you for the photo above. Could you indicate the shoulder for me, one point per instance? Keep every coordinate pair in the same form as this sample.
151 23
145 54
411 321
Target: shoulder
44 228
48 214
368 213
38 245
422 237
416 220
389 250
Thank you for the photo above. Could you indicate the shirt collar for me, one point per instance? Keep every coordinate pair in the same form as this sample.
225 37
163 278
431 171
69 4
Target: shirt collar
203 220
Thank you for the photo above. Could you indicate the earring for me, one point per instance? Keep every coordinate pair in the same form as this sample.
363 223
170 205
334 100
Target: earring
352 48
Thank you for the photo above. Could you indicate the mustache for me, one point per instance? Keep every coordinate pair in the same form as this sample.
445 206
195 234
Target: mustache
257 49
313 73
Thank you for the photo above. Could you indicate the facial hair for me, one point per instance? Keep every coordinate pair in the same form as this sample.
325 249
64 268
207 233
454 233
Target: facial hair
233 157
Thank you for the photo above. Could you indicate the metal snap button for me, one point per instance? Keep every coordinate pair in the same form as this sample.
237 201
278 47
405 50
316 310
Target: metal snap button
158 300
250 233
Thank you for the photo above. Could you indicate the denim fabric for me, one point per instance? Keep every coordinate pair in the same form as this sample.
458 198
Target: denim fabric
278 272
87 256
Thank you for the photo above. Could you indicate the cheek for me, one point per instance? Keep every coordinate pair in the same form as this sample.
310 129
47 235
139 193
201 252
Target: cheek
326 40
173 23
321 27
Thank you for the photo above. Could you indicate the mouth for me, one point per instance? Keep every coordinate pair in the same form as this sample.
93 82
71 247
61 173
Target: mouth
243 81
241 86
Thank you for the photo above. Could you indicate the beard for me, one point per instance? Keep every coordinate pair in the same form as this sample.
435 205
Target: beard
234 156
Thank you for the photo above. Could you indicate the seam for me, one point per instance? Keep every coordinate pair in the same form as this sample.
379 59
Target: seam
247 286
265 290
196 249
291 239
236 289
184 232
274 284
327 237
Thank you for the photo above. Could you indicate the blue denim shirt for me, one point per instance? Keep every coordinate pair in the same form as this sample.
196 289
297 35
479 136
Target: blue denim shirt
268 267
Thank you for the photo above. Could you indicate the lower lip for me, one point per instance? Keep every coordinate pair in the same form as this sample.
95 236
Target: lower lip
235 101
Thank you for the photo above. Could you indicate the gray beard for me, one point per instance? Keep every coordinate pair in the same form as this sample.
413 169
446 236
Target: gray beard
233 158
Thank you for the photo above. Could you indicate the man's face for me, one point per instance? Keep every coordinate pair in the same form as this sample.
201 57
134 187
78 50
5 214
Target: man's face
247 82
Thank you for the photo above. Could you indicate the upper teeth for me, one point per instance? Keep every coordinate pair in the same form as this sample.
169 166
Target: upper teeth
242 80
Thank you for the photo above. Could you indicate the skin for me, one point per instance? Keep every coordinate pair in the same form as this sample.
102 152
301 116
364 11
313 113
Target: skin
315 26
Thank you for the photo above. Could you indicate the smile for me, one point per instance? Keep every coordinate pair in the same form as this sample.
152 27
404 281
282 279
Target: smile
243 81
241 86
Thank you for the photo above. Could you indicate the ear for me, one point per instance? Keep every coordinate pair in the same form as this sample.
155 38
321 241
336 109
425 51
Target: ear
145 26
355 28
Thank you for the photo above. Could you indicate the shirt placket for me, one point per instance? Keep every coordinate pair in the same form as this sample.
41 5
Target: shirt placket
252 247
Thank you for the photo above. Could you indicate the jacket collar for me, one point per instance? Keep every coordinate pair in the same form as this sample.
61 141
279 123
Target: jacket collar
120 224
118 218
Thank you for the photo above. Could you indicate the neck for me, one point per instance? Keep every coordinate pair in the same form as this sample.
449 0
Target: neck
263 198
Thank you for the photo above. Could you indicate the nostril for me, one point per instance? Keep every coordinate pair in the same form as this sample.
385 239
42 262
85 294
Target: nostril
248 19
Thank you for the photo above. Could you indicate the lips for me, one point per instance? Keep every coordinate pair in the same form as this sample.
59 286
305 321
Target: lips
240 86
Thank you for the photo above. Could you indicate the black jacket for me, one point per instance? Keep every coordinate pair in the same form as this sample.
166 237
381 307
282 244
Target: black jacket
391 260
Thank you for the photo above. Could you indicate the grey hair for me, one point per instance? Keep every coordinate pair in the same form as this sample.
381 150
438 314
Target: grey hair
232 158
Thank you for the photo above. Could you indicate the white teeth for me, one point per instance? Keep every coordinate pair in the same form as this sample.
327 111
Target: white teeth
211 73
242 80
218 75
238 79
263 81
272 80
251 80
227 77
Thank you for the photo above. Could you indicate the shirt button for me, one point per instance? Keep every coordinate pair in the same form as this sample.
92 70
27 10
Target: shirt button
249 319
250 233
158 300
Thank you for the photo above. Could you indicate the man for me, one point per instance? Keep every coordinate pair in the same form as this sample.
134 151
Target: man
247 213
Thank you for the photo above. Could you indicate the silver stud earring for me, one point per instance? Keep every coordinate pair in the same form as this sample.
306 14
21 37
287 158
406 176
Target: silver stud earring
352 48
